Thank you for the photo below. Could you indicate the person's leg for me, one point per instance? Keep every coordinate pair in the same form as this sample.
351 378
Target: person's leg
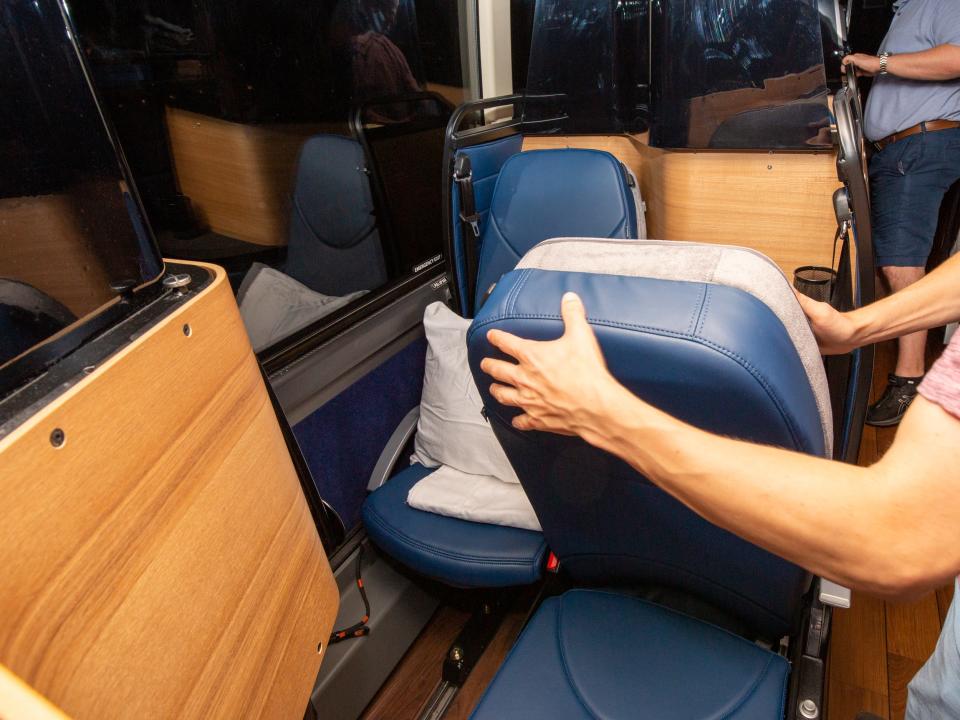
911 349
908 180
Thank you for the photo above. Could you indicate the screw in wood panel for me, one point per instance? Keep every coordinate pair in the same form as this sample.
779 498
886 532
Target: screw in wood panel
187 330
58 437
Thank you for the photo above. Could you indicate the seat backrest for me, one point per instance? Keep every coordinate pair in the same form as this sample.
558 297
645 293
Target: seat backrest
541 194
716 356
334 247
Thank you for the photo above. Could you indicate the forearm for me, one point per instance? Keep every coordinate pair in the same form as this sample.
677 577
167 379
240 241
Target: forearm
831 518
938 63
928 303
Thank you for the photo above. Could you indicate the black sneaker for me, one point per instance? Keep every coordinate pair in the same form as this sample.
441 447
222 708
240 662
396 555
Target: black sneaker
894 402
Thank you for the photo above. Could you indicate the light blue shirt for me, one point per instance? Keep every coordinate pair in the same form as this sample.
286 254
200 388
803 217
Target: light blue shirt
895 104
934 693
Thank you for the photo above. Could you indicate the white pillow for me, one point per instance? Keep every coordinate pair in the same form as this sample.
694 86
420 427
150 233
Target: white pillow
274 305
452 430
477 498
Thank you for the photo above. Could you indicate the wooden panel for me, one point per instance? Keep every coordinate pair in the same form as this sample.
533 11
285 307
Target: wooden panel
58 259
238 177
163 561
777 203
19 701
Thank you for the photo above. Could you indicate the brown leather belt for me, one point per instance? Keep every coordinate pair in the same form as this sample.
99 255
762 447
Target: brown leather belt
928 126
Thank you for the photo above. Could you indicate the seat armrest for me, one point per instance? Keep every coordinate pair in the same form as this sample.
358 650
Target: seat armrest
392 450
832 594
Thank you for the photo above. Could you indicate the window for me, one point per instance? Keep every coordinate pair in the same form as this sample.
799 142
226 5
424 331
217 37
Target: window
297 144
71 235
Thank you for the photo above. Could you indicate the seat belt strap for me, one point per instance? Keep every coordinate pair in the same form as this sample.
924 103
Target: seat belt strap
470 221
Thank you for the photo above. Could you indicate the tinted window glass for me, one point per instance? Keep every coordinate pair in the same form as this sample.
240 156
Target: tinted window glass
297 144
71 234
741 74
596 53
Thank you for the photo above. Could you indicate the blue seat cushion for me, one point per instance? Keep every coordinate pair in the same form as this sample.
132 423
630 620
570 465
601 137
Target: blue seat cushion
456 552
596 654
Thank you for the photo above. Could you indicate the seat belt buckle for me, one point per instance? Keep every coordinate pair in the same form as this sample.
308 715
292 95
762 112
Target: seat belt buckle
473 221
553 563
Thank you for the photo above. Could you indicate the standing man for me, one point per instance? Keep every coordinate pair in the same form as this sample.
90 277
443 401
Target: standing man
913 120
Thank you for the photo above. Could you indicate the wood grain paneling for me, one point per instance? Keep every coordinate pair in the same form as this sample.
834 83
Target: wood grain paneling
42 243
238 177
163 561
777 203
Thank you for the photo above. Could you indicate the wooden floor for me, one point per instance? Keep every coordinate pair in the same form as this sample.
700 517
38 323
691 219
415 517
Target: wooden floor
876 647
418 673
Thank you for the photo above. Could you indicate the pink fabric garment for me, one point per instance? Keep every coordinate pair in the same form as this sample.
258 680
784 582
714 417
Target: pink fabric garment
942 384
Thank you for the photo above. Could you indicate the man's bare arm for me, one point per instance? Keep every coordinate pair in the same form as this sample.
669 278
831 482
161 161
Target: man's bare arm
936 64
888 529
928 303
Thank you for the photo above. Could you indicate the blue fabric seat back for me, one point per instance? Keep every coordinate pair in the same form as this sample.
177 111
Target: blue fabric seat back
334 247
714 356
523 198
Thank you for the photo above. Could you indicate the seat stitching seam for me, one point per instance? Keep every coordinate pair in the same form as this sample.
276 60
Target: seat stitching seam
750 691
740 702
663 608
678 568
373 515
749 367
704 309
698 311
563 663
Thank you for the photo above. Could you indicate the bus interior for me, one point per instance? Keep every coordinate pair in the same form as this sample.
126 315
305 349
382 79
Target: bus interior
250 465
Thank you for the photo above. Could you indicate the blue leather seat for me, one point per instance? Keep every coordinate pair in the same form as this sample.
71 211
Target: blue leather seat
523 198
457 552
594 654
543 194
718 358
334 243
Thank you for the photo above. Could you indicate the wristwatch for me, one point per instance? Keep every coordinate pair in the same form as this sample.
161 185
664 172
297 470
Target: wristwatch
883 62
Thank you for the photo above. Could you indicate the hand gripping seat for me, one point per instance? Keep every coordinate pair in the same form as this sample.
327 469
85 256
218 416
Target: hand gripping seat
723 346
580 190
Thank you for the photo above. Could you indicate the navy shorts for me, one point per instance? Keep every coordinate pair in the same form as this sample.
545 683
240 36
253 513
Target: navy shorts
908 180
